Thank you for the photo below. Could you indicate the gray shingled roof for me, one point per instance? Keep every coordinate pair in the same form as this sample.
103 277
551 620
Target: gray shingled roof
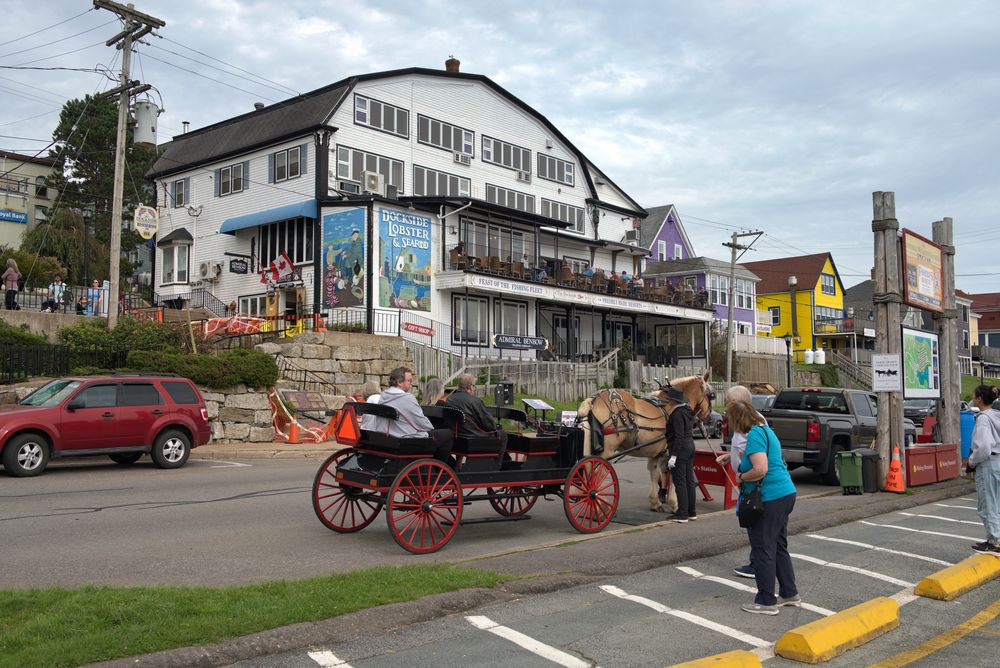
651 225
696 265
257 128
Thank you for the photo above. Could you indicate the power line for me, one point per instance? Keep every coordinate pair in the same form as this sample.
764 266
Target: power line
283 91
65 53
202 53
198 74
23 138
41 30
61 39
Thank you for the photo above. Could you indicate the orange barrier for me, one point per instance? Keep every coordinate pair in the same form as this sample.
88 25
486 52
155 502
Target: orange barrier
894 481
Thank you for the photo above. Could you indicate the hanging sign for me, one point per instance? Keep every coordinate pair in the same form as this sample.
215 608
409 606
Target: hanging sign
146 221
517 342
886 376
923 262
238 266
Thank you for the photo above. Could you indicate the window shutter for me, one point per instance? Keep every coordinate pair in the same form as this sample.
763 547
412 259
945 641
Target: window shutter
246 175
217 179
270 168
187 190
303 154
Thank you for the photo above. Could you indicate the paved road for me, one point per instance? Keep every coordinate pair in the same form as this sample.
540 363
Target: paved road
218 522
691 609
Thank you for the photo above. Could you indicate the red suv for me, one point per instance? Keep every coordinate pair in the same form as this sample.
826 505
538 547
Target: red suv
123 416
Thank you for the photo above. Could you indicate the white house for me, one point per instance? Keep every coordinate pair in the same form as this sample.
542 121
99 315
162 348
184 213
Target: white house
371 186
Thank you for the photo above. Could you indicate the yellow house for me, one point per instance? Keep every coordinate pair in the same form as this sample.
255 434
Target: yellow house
804 297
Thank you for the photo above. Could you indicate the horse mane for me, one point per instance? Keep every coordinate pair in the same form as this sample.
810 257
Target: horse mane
583 423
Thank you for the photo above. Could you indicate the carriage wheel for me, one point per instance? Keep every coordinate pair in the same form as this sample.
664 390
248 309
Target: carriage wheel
512 506
591 494
424 506
342 508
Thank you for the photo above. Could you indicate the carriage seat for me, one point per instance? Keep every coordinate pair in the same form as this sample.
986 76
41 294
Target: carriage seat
443 417
489 444
390 446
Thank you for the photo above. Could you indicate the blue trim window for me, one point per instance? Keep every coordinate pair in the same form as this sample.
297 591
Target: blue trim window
231 180
829 284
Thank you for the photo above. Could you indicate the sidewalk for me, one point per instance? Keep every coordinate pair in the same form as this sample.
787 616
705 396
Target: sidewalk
274 450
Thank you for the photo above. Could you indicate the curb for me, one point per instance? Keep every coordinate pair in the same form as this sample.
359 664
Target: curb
736 659
826 638
952 582
257 452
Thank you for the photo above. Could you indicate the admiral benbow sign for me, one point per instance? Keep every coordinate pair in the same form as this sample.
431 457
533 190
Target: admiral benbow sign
517 342
146 221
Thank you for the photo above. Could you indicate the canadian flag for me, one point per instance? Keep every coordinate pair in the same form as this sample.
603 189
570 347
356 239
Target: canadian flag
278 269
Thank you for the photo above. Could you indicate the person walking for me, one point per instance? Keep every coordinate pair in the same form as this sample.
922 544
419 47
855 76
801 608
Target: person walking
680 445
763 464
984 459
735 454
10 278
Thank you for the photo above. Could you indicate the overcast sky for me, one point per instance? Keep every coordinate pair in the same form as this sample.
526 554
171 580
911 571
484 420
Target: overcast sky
777 116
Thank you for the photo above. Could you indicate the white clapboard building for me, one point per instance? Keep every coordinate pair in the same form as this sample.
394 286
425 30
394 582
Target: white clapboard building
430 203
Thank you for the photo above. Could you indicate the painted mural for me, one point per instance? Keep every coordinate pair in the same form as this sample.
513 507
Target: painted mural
344 258
405 252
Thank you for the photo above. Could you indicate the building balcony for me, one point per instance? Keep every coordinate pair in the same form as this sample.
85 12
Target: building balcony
986 354
850 325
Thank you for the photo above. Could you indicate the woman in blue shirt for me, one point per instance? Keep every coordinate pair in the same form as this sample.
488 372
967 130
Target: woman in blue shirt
762 464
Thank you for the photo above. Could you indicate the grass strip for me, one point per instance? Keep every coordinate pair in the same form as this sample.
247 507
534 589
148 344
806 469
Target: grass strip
69 627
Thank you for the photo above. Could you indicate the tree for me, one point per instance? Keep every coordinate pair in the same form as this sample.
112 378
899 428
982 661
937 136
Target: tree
86 136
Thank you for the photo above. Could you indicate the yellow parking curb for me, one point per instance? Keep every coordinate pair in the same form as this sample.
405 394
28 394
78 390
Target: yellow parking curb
735 659
954 581
832 636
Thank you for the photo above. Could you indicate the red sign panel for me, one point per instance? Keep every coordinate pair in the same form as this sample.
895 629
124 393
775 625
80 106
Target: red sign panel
418 329
710 472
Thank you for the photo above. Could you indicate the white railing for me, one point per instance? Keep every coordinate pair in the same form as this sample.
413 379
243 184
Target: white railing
764 345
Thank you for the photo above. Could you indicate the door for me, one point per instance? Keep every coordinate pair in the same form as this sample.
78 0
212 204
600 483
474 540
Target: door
139 406
93 424
865 410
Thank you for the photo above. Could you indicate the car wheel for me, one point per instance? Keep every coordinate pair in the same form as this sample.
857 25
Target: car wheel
125 458
26 455
830 476
717 431
171 450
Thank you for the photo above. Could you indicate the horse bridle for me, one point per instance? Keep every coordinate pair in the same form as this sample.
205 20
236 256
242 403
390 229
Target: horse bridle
626 416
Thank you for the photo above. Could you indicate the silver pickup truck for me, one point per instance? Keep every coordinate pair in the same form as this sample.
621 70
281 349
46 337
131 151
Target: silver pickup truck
814 424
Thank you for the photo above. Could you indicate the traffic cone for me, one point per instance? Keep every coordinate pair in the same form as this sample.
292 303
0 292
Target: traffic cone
894 481
293 432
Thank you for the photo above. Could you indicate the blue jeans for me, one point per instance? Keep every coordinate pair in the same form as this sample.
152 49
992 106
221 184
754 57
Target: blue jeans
769 551
988 491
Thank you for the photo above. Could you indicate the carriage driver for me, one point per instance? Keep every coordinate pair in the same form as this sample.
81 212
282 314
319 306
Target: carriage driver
412 422
478 422
680 442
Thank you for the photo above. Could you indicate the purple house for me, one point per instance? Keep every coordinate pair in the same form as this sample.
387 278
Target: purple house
673 260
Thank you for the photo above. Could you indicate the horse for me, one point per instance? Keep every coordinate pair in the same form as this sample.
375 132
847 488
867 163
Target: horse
614 421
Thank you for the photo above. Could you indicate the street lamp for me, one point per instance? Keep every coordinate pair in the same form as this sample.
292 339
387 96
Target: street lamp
788 351
88 213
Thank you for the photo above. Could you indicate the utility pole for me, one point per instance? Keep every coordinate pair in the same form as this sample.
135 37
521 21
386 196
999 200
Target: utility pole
136 26
735 246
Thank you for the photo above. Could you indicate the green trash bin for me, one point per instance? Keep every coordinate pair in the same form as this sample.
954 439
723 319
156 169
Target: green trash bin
849 472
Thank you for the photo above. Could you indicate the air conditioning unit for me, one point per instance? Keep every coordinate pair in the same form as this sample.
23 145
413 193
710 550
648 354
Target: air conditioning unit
391 191
372 182
463 158
349 187
631 236
524 177
209 271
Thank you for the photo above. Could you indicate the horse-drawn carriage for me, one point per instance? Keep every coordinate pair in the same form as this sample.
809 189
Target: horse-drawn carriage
423 484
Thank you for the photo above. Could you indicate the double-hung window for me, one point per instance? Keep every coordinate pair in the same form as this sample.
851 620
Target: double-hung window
443 135
287 164
511 317
470 320
174 263
829 286
564 212
554 169
661 250
506 155
231 179
775 312
381 116
179 192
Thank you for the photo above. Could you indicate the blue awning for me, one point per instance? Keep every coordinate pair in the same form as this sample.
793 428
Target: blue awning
306 209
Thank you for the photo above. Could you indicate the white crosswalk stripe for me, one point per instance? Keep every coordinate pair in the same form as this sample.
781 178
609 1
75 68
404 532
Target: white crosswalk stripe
939 517
750 590
852 569
923 531
327 659
876 548
949 505
528 643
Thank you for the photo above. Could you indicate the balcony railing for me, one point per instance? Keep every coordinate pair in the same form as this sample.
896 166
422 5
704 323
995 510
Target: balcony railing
848 325
562 275
986 354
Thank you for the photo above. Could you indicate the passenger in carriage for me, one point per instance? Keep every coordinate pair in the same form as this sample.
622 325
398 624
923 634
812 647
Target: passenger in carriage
478 422
412 422
433 393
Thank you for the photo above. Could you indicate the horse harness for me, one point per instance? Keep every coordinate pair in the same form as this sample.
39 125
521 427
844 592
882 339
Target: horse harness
622 418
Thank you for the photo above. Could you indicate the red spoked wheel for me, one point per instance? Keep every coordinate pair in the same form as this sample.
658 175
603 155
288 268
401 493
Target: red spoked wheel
591 494
342 508
424 506
512 501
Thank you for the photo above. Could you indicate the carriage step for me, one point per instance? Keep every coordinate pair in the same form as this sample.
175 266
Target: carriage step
486 520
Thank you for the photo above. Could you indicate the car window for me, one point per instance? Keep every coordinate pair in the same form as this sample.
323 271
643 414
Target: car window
180 392
819 402
861 405
873 402
140 394
51 394
98 396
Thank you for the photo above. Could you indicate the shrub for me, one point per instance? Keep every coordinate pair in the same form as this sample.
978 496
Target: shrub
250 367
19 336
130 334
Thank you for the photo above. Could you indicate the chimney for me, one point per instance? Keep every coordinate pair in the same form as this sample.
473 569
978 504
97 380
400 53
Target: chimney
185 125
451 65
258 105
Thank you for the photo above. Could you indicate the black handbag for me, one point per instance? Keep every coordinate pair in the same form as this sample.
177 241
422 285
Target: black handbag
751 507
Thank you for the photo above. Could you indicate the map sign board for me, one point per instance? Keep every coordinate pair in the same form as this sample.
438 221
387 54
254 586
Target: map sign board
922 263
921 364
886 373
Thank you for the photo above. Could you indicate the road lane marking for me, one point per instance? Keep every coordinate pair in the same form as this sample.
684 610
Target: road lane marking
942 640
228 465
924 531
852 569
939 517
742 587
965 498
766 649
528 643
868 546
948 505
905 596
328 660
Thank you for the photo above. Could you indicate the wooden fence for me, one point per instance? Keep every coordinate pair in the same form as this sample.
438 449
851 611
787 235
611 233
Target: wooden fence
556 381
